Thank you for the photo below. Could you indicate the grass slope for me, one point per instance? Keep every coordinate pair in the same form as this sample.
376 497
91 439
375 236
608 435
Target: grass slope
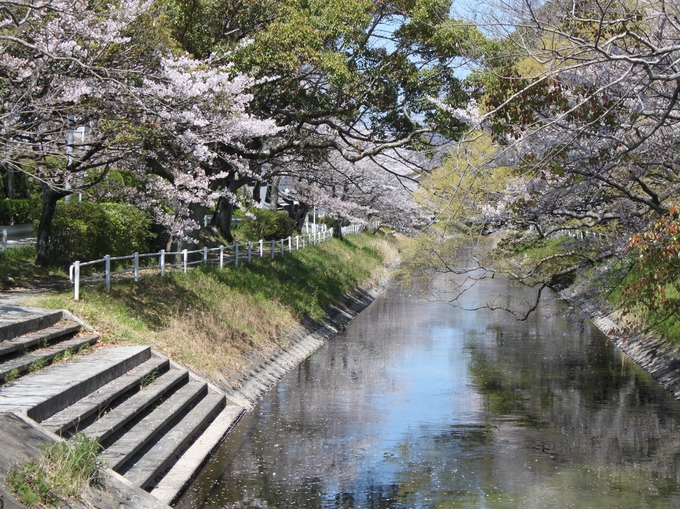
210 319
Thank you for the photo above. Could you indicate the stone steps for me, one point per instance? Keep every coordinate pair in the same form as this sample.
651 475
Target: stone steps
157 423
42 337
41 357
17 321
135 405
31 339
177 478
69 419
160 454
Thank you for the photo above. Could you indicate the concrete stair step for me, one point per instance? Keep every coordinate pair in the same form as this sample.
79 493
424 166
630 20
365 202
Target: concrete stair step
125 446
46 392
183 471
16 321
38 359
43 337
69 418
119 416
173 442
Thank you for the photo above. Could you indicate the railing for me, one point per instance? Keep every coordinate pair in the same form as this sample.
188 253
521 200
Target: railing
577 234
223 255
354 228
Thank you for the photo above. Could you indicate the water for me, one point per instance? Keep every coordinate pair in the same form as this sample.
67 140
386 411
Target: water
422 405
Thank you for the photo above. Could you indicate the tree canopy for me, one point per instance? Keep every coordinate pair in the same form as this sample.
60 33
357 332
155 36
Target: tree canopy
190 101
580 99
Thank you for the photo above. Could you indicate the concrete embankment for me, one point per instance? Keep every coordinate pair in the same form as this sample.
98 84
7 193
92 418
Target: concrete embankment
653 354
248 385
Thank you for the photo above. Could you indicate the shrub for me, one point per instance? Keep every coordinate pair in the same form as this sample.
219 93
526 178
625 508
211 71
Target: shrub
88 231
268 225
19 211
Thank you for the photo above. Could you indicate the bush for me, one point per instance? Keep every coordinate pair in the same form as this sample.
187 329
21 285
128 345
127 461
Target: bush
268 225
89 231
19 211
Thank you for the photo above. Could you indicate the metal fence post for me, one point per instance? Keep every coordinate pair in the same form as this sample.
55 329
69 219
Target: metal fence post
261 248
235 254
76 281
249 251
297 242
107 264
162 262
221 257
205 256
290 247
136 267
185 256
4 239
273 250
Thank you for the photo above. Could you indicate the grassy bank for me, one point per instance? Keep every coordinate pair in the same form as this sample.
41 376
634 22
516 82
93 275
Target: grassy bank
605 281
209 319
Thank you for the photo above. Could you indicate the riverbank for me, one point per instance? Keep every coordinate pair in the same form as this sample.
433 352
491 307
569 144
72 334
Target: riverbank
223 324
242 329
652 353
655 355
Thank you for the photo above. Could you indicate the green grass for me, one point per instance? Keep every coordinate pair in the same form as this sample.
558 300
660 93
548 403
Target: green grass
63 474
18 271
12 375
37 365
210 319
664 324
67 355
148 379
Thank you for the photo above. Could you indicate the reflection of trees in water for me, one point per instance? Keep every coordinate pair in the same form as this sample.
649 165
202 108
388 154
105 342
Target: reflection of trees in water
574 401
561 419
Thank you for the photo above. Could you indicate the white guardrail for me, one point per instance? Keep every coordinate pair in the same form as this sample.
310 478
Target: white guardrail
221 256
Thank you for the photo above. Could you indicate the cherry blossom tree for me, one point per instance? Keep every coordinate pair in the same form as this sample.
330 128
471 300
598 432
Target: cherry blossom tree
62 70
178 126
347 76
581 99
203 137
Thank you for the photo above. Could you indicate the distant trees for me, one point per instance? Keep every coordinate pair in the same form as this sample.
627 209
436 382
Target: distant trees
581 102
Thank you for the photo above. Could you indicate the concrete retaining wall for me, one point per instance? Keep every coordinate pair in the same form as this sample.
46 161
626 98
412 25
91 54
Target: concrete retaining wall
247 386
653 354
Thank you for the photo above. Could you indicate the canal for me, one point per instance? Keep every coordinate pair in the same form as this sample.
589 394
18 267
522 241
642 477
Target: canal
423 405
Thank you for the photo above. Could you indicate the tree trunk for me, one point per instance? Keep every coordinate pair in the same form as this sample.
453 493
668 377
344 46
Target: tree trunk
222 218
274 203
10 183
197 214
50 199
337 229
257 189
298 215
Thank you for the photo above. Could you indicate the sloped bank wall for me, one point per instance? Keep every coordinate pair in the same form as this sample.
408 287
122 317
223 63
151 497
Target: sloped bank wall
248 385
653 354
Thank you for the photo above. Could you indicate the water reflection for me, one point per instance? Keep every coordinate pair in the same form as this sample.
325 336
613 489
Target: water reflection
421 405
